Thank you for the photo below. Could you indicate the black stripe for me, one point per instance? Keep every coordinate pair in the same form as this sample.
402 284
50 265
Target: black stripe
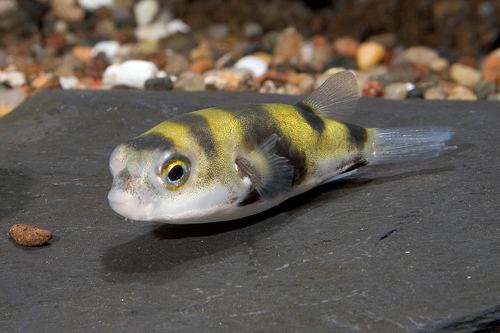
315 121
150 141
305 107
200 130
357 135
258 125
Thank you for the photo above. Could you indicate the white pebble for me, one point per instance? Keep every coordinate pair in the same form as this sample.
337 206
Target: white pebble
132 73
161 28
254 64
69 82
13 78
94 4
145 11
109 47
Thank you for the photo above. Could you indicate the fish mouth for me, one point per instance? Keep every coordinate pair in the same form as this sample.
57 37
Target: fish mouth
127 206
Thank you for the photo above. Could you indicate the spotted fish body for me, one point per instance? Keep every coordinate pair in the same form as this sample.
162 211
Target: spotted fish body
241 160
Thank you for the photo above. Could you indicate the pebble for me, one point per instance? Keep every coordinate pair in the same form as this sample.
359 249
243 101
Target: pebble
82 53
92 5
268 87
465 75
109 47
420 54
346 46
252 30
303 83
256 65
10 99
435 93
45 81
145 11
97 66
439 65
485 88
201 65
176 63
416 92
369 54
164 83
27 235
462 93
228 79
56 40
372 88
491 67
218 30
288 47
69 82
493 97
7 6
67 10
131 73
189 81
396 91
321 53
12 78
161 28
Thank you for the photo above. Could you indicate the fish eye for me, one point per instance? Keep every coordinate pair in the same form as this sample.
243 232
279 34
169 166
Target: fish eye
175 172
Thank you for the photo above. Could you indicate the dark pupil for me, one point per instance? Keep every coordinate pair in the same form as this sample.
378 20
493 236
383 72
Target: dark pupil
175 173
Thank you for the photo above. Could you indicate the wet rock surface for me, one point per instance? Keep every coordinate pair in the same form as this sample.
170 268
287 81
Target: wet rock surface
401 248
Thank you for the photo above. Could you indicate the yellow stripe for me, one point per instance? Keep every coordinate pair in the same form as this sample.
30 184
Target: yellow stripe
178 133
225 127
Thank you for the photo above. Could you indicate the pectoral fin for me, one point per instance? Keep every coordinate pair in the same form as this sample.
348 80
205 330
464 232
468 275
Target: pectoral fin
269 173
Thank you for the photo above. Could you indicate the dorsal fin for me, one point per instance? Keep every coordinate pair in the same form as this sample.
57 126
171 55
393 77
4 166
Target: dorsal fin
335 98
269 173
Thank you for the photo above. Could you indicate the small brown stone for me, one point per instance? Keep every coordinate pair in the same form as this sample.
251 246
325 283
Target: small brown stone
97 66
461 93
372 88
369 54
288 47
435 93
56 40
346 46
201 65
27 235
491 67
45 81
82 53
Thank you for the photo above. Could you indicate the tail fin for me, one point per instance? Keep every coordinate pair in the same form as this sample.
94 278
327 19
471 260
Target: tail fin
390 145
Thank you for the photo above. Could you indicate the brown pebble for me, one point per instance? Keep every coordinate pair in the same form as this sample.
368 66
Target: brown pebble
27 235
346 46
82 53
491 67
201 65
372 88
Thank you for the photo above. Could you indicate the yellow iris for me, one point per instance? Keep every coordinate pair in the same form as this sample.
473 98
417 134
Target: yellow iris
174 173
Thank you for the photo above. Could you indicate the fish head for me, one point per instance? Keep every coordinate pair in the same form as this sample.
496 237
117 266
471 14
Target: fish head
156 178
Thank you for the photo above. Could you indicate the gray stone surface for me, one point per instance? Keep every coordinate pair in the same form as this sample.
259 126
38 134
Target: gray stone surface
402 248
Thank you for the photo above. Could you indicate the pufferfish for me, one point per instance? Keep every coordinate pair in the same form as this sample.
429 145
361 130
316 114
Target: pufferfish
225 163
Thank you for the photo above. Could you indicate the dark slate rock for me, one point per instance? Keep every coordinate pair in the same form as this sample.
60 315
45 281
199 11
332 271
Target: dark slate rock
402 248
